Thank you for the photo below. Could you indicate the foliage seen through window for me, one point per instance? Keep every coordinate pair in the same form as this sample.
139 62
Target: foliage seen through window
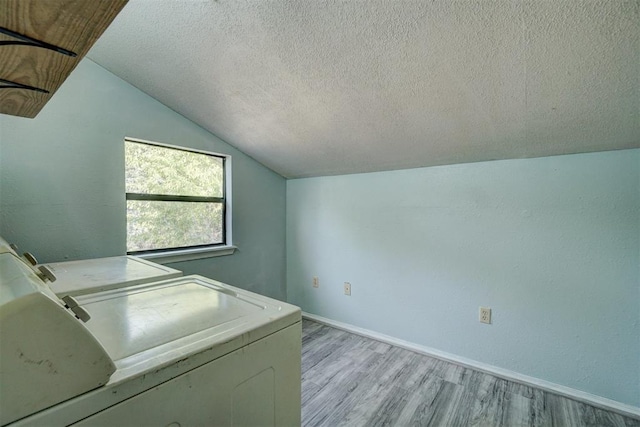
175 197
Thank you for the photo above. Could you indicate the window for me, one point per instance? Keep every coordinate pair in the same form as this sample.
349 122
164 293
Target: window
176 198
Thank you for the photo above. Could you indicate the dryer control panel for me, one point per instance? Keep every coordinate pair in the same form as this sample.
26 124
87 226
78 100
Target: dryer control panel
47 354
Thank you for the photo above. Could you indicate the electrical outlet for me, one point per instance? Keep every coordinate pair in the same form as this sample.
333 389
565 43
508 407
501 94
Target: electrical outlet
485 315
316 282
347 288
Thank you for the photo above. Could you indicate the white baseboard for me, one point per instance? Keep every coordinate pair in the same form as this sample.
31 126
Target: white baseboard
581 396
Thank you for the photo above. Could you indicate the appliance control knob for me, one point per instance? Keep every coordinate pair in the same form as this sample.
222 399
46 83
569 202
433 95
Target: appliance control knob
29 257
47 273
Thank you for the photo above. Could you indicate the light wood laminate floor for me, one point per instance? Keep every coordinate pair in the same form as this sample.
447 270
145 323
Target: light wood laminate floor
350 380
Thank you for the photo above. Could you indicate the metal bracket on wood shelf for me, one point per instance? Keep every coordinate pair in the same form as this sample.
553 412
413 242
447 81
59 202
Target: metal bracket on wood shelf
8 84
29 41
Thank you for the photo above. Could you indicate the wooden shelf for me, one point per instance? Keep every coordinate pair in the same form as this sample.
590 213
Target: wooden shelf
73 25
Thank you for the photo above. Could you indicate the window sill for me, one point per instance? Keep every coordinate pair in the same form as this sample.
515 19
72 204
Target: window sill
188 254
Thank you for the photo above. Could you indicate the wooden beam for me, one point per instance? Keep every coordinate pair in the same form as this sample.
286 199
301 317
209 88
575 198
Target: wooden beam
73 25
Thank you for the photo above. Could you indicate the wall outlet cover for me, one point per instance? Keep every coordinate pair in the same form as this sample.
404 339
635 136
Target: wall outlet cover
347 288
485 315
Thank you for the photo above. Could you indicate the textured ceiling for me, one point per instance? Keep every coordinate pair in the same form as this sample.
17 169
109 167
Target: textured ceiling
317 87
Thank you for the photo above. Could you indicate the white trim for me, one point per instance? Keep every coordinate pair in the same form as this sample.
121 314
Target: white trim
180 255
228 202
176 147
588 398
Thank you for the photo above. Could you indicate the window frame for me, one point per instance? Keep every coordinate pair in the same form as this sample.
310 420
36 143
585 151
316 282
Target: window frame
185 253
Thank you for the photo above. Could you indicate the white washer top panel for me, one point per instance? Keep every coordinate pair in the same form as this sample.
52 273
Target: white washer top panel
144 326
144 319
100 274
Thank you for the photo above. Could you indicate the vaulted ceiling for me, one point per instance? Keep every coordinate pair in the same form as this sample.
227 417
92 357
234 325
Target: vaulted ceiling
320 87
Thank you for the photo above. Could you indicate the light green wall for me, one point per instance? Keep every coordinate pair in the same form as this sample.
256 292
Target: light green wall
62 181
552 245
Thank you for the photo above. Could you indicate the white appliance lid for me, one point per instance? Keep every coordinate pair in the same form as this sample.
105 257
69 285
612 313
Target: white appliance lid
89 275
144 325
144 319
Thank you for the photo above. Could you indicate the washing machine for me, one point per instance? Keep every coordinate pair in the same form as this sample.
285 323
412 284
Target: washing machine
187 351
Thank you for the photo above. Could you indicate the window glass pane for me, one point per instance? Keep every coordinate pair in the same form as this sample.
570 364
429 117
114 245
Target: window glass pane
159 224
150 169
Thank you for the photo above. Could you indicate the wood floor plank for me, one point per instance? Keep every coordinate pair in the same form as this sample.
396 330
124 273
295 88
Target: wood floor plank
418 371
389 409
324 347
476 387
325 370
539 412
309 330
442 411
563 411
417 408
516 411
309 391
374 397
331 404
489 404
379 347
350 380
394 367
606 418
